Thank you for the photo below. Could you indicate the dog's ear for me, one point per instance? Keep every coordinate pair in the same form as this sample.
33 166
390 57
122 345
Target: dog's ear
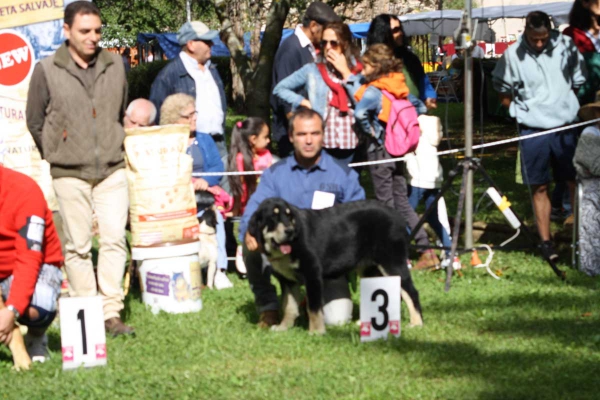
210 217
256 225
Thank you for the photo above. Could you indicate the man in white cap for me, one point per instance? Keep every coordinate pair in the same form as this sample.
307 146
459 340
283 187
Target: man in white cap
191 72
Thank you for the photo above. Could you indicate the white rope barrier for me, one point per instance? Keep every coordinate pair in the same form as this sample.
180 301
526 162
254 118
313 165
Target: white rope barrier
440 153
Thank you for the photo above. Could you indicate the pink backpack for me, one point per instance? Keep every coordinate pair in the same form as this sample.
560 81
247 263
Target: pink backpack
402 131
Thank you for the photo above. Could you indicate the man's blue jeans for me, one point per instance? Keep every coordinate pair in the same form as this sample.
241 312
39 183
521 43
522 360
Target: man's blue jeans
415 195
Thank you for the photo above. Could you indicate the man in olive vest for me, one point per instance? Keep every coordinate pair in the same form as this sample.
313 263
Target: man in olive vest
75 109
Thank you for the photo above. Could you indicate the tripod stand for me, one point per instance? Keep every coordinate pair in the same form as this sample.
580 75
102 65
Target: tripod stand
474 164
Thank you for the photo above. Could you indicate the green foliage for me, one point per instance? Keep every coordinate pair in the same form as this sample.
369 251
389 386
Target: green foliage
141 77
457 4
124 19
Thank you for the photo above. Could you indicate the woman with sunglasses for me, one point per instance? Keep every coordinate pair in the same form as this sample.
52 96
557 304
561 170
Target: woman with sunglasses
387 29
324 82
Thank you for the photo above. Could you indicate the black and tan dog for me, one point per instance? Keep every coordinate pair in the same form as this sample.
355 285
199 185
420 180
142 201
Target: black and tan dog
17 346
307 246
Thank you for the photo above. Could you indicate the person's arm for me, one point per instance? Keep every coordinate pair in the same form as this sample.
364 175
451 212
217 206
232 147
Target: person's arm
288 60
31 224
501 80
38 98
266 189
221 87
286 89
352 189
353 83
505 99
429 95
365 110
212 159
579 70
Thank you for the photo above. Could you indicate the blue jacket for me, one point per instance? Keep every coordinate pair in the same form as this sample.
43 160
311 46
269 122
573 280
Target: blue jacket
307 78
210 159
543 82
290 57
297 185
174 78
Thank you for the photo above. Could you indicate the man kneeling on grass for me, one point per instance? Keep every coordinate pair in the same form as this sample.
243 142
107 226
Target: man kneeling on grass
30 260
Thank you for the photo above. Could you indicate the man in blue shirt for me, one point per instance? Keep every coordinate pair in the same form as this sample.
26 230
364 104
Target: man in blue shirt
300 179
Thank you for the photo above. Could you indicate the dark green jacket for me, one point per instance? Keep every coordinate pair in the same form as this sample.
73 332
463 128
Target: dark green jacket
78 129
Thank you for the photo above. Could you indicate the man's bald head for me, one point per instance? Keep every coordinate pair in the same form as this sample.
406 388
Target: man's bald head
140 112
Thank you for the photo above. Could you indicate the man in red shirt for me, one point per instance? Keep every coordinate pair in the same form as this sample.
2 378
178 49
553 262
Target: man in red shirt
30 260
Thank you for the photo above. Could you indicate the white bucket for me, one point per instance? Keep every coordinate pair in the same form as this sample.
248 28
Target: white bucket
170 277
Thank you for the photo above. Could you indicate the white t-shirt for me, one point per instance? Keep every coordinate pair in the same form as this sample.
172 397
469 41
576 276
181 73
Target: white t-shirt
208 99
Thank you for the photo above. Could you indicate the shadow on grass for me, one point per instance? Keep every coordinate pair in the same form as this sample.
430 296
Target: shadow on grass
508 374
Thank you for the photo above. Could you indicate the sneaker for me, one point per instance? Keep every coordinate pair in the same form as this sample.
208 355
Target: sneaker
240 266
222 281
37 347
115 327
268 318
548 251
427 260
456 265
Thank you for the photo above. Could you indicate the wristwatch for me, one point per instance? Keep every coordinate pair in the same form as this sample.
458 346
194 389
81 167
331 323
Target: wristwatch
14 311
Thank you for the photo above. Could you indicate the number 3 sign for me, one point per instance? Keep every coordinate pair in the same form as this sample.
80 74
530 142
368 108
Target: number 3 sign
379 308
82 332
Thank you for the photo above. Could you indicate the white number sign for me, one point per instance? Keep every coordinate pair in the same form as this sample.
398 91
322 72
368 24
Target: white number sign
82 333
379 308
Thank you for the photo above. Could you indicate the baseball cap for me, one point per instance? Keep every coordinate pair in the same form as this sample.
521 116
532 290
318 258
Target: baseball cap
195 30
321 13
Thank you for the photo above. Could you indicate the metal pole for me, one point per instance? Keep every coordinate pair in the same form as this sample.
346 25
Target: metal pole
469 131
188 10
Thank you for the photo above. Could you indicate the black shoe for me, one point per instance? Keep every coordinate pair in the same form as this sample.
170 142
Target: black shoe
548 251
558 214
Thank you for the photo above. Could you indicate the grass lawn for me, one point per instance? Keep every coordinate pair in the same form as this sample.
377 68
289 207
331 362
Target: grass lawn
526 336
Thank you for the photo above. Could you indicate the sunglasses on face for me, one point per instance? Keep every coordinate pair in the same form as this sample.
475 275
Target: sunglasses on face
190 115
397 29
333 43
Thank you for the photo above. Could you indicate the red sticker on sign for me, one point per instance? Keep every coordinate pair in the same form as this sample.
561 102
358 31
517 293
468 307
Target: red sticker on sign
68 354
100 351
16 58
394 327
365 329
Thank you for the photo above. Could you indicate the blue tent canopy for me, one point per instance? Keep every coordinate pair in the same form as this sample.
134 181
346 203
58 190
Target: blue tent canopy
170 46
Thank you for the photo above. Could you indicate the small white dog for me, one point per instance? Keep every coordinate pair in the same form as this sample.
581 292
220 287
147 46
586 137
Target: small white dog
208 244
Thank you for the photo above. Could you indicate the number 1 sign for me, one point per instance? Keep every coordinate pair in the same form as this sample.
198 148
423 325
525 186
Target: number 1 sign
379 308
82 332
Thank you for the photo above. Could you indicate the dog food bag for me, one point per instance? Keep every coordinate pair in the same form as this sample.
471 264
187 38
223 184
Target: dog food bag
162 203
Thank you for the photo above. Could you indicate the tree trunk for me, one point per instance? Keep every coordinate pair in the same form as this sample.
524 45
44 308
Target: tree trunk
256 78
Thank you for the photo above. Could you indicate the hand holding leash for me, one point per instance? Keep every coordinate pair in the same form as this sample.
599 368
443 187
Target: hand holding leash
7 325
